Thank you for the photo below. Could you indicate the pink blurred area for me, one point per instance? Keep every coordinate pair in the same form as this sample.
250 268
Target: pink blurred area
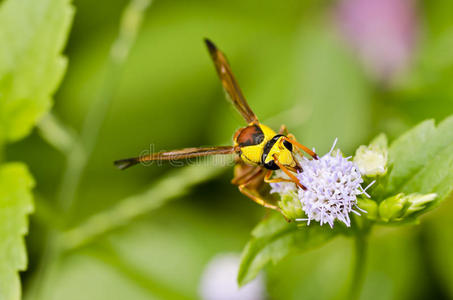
383 32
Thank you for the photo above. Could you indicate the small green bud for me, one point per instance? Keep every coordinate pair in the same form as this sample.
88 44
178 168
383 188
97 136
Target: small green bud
291 207
400 206
369 206
393 208
372 159
418 202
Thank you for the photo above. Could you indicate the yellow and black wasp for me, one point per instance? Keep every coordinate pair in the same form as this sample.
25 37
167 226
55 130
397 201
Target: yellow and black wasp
259 149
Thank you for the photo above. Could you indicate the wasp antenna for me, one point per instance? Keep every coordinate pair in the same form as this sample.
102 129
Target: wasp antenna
126 163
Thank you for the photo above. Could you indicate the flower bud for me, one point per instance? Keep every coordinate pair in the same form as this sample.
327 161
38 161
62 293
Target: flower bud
393 208
291 207
418 202
401 206
372 159
370 206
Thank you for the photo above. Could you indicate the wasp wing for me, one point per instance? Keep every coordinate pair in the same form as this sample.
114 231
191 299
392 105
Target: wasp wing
173 155
229 82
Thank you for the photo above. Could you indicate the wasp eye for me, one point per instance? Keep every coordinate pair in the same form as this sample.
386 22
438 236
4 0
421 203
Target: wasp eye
288 145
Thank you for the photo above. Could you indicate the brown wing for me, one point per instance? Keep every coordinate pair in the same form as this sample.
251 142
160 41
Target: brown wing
229 82
173 155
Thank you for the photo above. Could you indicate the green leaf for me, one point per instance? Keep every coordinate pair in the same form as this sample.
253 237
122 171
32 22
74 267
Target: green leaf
32 34
422 160
16 203
273 239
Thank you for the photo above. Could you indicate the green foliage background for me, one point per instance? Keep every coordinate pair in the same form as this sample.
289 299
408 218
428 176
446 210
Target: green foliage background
103 237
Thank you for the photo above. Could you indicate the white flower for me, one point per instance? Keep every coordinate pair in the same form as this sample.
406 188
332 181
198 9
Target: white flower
218 281
333 184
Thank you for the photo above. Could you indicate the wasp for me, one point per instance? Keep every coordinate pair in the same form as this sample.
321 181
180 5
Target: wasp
259 150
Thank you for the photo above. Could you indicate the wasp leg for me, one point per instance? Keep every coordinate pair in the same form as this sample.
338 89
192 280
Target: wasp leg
268 179
291 136
300 146
250 193
255 197
267 214
249 182
247 176
283 130
288 172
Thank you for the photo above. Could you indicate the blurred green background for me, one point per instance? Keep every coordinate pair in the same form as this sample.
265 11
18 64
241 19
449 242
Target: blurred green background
311 65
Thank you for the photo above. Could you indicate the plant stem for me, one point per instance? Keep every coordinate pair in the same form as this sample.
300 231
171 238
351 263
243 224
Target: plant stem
176 184
361 229
358 263
130 24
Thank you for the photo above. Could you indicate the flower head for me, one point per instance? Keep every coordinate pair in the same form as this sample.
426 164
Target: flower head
333 184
